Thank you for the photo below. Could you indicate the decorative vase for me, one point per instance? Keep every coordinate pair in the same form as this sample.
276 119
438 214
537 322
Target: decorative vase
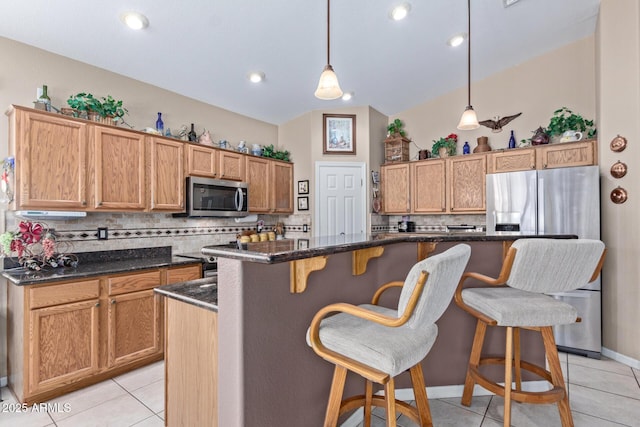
193 137
443 152
483 145
160 124
44 98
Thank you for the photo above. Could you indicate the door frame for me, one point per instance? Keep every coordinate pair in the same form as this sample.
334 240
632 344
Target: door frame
364 189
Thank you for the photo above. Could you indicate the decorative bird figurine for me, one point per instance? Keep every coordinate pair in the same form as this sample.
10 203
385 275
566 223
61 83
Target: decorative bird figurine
496 125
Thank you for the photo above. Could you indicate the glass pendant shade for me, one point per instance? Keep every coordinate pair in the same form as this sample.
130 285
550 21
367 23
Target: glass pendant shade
328 86
469 120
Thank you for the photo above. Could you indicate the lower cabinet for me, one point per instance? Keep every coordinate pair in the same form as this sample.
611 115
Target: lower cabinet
66 335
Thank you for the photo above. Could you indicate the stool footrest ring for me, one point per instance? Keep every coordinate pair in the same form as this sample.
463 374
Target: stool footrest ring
404 408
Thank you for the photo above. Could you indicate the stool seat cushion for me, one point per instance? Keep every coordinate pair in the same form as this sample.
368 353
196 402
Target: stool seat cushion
514 307
390 350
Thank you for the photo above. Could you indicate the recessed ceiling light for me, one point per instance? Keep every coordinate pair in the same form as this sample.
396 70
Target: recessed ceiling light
256 76
134 20
347 96
457 39
400 11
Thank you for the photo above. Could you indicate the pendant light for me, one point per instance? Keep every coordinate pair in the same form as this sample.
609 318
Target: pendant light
469 120
328 86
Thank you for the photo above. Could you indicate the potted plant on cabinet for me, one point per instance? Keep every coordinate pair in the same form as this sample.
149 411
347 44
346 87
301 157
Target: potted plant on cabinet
566 121
395 130
446 146
79 104
111 109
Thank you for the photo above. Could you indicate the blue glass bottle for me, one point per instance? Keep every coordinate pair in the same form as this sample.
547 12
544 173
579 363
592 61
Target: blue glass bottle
160 124
465 148
512 141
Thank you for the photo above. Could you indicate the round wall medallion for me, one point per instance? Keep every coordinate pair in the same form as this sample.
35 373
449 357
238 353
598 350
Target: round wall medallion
618 195
619 169
619 143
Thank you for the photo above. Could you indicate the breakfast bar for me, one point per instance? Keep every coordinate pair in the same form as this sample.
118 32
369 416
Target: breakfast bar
268 292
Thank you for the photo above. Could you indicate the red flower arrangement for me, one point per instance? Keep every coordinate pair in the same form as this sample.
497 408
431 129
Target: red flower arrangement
450 143
35 246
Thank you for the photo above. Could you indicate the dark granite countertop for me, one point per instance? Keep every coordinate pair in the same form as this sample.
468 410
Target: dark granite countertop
101 263
201 292
272 252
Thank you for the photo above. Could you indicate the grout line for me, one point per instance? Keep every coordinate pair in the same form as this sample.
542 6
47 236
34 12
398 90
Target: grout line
600 418
132 395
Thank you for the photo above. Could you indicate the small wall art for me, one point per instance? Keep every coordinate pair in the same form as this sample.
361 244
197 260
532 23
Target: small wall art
339 134
303 203
303 187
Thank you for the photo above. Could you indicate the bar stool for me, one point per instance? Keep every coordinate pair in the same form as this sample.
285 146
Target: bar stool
531 269
379 343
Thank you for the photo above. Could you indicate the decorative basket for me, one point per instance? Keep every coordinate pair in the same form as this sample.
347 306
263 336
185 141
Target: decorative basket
396 150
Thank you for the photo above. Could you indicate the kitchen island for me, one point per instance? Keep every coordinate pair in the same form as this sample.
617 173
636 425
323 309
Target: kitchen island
268 292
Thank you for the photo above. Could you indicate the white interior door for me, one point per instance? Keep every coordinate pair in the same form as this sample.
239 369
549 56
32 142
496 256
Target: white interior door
341 203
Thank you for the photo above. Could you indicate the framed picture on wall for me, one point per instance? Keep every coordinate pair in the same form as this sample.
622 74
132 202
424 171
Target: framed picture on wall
303 203
303 187
339 133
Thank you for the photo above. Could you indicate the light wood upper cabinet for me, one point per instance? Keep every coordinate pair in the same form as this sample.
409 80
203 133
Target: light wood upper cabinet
566 155
118 162
258 174
395 184
466 183
166 179
232 165
202 161
428 187
512 160
270 185
51 160
282 187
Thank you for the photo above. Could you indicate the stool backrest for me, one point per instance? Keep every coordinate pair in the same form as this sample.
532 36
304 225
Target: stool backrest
554 265
445 271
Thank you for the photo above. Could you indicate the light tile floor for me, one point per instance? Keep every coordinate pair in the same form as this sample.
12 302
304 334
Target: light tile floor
603 393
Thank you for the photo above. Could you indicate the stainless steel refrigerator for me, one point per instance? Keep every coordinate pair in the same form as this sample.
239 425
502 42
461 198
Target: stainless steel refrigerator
554 201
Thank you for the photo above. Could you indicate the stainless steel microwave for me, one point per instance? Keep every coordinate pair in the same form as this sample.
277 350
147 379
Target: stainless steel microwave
216 197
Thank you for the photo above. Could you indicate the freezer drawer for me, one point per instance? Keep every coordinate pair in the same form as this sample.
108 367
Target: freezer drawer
585 337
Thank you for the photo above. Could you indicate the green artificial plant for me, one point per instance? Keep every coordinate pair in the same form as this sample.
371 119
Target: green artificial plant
395 128
271 152
564 119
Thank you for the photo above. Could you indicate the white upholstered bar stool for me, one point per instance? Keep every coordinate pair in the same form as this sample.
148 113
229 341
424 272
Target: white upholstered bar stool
517 300
379 343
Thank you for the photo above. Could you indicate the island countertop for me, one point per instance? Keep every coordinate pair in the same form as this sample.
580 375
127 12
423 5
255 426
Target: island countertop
273 252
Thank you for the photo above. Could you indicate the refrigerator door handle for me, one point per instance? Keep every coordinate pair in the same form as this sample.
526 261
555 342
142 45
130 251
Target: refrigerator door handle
541 212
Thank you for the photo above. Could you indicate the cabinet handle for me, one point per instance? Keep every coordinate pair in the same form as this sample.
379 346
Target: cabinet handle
544 166
84 203
113 301
533 166
97 304
99 203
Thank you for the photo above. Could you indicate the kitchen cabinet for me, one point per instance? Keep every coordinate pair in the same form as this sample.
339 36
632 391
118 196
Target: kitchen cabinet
118 170
520 159
50 160
428 186
201 161
270 185
395 186
231 165
66 335
466 183
166 179
567 155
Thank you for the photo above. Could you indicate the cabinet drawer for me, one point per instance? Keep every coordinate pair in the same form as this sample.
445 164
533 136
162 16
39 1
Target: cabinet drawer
133 282
44 296
183 274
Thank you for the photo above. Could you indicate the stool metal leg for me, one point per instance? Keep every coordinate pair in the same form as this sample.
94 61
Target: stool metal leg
367 403
474 360
390 397
508 366
556 374
420 393
335 397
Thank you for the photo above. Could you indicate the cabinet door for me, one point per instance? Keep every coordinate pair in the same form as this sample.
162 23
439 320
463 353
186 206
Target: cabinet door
51 161
231 165
395 188
282 187
183 274
133 327
258 173
119 173
63 345
566 155
467 183
167 175
201 161
428 186
521 159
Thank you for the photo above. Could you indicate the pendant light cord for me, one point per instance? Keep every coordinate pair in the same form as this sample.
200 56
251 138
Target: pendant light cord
328 27
469 52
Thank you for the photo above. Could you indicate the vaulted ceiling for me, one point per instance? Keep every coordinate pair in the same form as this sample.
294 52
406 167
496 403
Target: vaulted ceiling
204 49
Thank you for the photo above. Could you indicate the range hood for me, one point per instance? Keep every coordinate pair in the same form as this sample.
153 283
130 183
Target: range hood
50 215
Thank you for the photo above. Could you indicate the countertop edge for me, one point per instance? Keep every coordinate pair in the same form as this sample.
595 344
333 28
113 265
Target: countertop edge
173 291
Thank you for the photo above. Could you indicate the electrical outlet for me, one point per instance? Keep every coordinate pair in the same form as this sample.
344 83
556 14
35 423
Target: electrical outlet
305 228
103 233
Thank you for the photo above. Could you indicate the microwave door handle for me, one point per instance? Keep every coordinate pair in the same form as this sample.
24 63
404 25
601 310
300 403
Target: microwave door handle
239 199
